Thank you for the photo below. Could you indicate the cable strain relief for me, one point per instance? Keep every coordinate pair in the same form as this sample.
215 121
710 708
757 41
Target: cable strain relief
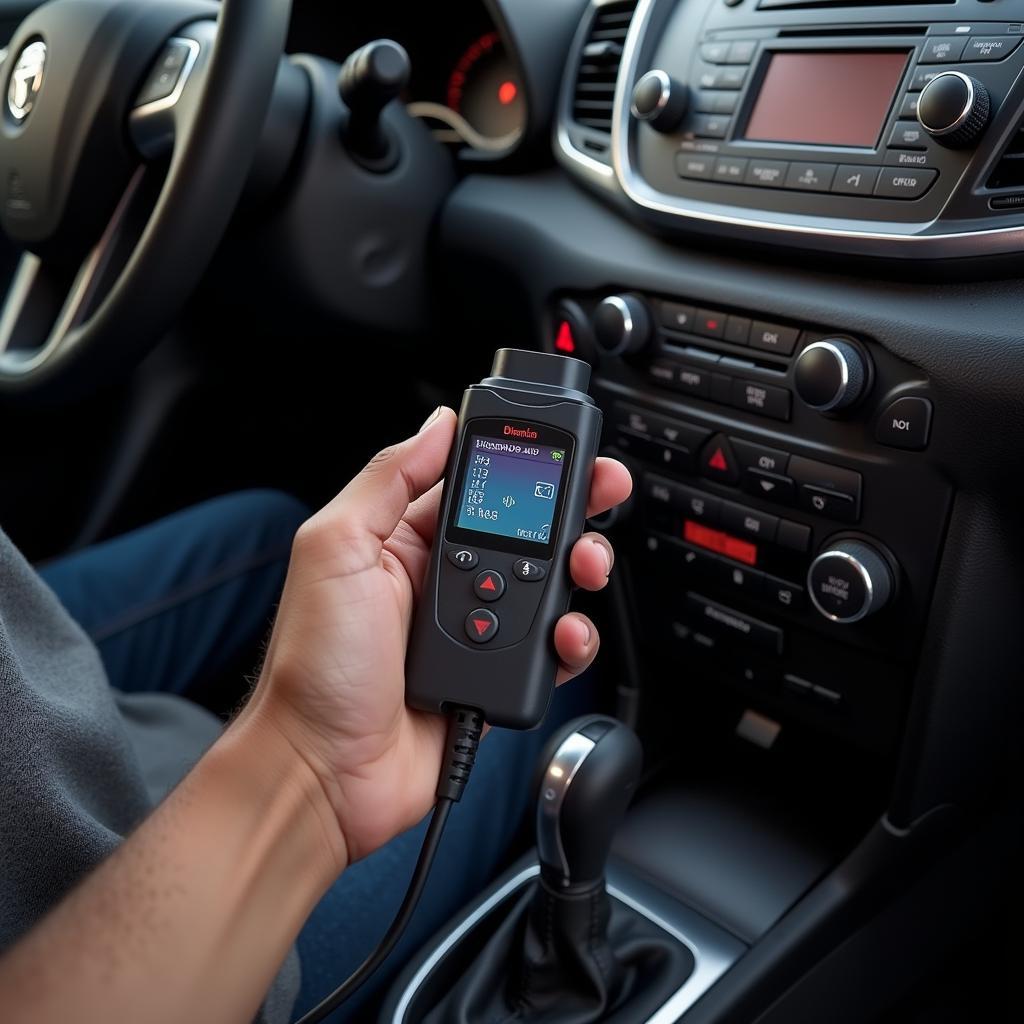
465 726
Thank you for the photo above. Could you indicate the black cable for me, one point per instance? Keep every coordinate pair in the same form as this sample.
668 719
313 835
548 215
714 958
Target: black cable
464 729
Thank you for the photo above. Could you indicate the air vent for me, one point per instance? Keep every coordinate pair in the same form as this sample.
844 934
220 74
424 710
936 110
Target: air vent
1009 172
599 66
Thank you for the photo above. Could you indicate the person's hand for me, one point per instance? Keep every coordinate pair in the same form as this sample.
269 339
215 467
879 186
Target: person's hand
333 682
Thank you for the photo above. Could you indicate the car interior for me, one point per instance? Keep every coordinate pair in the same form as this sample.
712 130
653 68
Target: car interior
251 244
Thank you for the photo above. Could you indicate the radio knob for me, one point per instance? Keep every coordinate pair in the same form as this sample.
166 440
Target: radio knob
954 108
660 101
849 581
621 325
831 375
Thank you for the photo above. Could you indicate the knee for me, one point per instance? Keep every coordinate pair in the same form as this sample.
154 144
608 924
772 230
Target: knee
273 515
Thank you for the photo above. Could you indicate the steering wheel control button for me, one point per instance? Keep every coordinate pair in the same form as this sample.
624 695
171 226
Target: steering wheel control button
830 375
954 108
489 585
849 581
163 78
660 101
622 324
905 423
529 572
463 558
718 461
481 625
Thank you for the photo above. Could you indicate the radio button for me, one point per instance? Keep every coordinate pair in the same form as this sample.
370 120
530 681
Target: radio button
714 53
758 456
855 180
711 102
704 508
987 48
710 323
710 126
694 380
903 183
737 329
723 78
677 317
741 52
922 76
730 169
825 475
712 615
942 50
771 486
782 592
793 536
908 135
767 173
905 424
773 337
840 507
908 108
763 399
910 159
694 165
810 177
748 522
738 578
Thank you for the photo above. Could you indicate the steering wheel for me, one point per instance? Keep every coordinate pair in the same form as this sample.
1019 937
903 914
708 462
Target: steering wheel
127 130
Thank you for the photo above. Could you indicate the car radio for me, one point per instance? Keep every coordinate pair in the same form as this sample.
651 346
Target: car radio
882 128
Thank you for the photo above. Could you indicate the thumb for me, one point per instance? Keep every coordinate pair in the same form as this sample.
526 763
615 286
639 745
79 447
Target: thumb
367 511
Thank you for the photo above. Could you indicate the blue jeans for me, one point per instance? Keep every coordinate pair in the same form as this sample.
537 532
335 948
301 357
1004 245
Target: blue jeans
175 603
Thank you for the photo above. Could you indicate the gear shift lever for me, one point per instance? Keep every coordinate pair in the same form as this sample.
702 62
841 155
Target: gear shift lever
587 784
368 81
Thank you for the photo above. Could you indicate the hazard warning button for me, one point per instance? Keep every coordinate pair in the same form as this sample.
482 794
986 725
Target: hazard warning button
481 625
489 585
718 461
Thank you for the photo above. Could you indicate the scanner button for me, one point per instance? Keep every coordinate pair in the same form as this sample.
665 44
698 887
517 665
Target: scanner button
489 585
528 571
481 625
463 558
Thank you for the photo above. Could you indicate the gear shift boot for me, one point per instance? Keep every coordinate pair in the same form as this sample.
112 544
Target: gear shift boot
531 962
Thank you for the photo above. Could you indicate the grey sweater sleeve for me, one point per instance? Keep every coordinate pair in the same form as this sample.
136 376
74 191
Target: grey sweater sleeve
80 765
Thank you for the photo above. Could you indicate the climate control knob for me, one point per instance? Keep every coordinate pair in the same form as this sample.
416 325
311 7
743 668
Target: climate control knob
659 100
954 108
849 581
621 325
830 375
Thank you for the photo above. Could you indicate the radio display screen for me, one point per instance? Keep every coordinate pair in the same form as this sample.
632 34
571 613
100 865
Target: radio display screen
827 98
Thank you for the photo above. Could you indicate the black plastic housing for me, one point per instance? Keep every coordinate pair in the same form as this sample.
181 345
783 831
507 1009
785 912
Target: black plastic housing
511 678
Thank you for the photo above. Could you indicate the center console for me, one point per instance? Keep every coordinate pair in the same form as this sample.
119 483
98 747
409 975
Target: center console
891 130
787 520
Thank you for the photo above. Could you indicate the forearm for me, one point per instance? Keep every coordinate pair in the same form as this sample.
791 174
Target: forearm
192 917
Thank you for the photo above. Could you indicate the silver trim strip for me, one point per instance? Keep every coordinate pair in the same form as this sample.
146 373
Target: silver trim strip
710 959
844 375
964 114
620 180
869 587
561 770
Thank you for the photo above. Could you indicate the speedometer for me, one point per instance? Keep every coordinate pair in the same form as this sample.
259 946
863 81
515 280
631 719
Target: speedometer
484 88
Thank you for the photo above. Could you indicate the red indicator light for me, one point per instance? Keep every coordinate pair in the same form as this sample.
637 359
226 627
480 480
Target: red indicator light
712 325
507 92
719 542
564 341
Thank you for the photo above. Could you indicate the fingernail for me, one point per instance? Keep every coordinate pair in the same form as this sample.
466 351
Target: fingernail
606 554
586 632
430 419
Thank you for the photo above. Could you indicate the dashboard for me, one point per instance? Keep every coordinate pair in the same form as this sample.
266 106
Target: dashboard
465 84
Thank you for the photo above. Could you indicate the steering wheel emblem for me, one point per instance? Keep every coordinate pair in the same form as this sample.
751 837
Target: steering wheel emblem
26 80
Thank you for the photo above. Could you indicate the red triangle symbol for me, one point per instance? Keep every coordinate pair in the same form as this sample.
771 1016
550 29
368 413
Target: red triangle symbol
564 341
488 583
717 461
482 625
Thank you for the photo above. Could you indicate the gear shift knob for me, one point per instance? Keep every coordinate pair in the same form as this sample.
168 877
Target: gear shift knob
370 79
590 770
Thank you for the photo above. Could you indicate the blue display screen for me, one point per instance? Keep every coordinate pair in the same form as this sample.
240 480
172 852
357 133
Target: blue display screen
511 488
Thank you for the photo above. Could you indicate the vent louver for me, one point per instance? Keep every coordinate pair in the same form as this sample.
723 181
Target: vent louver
599 66
1009 171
